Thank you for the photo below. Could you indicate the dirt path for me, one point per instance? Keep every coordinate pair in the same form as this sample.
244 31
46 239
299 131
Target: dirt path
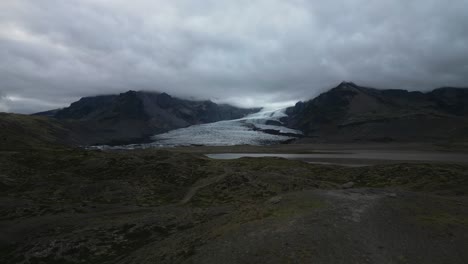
202 183
382 226
346 226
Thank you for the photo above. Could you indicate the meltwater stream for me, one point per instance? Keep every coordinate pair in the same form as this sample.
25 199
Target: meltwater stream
260 128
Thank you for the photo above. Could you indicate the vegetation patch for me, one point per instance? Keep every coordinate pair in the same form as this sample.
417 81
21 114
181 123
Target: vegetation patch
444 219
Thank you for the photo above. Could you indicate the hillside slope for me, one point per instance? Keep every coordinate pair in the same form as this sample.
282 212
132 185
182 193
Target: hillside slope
353 113
135 116
155 206
28 132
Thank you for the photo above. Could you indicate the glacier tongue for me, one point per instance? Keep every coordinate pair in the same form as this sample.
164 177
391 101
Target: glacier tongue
259 128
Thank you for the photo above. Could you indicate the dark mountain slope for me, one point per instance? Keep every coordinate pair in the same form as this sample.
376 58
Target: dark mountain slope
353 113
451 100
135 116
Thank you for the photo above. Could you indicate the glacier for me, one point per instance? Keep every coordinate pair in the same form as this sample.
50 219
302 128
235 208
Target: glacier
253 129
261 128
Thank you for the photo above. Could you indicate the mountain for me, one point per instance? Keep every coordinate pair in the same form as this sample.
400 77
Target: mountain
136 116
350 112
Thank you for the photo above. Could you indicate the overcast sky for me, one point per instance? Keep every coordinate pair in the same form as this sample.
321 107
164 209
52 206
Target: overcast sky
246 52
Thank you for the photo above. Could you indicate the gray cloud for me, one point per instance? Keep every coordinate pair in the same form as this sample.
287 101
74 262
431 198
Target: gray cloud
244 52
3 103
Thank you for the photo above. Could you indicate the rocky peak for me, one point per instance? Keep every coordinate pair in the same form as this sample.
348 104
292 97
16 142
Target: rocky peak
345 84
164 100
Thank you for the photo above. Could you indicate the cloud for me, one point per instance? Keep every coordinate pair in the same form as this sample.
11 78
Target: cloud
19 104
3 103
243 52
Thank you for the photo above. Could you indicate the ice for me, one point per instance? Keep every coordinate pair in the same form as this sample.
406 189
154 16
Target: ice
241 131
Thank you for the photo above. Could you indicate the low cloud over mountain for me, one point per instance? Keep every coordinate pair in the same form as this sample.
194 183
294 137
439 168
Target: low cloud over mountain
249 53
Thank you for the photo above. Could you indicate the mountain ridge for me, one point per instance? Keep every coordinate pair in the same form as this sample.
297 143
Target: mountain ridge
345 113
350 112
135 116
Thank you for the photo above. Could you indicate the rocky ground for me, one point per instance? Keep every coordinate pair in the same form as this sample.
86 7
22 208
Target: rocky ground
61 205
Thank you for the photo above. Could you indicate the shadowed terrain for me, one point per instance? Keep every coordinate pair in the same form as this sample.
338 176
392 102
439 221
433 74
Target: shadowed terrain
351 113
147 206
61 204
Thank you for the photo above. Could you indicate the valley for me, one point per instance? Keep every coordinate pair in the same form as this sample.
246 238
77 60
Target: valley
257 187
233 132
261 128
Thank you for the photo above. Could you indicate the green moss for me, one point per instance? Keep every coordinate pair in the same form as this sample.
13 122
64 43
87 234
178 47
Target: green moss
443 219
402 259
19 132
296 208
262 212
